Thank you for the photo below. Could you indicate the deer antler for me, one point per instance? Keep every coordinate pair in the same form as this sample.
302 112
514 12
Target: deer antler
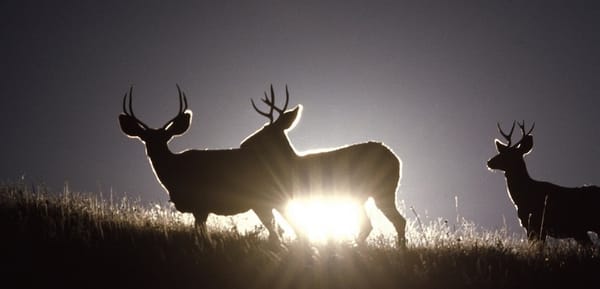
183 105
522 127
270 101
509 135
130 112
524 134
128 98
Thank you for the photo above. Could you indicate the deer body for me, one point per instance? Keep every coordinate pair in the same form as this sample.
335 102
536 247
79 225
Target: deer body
209 181
224 182
545 209
348 170
357 171
566 212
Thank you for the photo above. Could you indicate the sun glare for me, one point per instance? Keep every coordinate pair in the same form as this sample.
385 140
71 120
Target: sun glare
319 219
323 219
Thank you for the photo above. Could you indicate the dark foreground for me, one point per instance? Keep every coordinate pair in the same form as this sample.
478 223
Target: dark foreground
74 241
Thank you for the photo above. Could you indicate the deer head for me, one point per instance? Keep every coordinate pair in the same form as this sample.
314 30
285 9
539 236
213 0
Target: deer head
135 128
511 155
272 136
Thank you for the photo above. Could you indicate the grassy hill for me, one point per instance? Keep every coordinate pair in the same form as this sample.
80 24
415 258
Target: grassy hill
73 240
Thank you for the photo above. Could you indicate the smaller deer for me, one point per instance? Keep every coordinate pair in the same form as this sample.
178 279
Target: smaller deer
544 209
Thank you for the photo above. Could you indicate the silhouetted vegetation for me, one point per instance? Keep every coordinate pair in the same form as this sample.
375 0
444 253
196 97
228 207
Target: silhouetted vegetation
74 240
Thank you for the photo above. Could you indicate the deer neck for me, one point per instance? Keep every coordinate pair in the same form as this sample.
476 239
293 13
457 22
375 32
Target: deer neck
517 179
283 151
289 152
286 153
159 155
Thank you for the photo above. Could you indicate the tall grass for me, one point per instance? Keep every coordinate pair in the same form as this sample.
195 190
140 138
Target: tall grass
87 241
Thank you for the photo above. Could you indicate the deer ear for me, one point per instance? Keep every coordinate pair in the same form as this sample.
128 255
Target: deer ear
130 126
179 124
289 118
526 144
500 147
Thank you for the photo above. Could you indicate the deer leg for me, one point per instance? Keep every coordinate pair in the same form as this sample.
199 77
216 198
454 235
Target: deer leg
268 219
200 223
300 235
388 209
364 224
534 235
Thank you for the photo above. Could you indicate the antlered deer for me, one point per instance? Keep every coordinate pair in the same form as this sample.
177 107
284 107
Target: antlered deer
224 182
545 209
357 171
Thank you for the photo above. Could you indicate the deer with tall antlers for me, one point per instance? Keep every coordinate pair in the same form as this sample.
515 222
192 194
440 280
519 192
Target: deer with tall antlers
356 171
223 182
544 209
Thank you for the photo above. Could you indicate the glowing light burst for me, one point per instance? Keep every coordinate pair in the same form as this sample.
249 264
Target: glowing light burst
322 219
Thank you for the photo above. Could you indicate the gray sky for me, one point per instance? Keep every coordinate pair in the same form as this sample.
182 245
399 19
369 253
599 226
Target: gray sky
428 78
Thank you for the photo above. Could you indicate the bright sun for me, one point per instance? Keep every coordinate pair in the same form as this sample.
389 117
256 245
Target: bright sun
320 219
325 219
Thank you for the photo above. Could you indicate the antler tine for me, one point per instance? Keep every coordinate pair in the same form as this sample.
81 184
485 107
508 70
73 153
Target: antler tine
180 98
530 130
185 104
287 99
522 127
270 101
509 135
130 112
130 102
269 116
272 95
124 107
265 99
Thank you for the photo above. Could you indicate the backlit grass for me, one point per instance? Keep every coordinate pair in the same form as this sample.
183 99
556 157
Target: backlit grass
87 241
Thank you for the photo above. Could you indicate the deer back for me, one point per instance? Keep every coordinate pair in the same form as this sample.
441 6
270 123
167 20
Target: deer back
356 169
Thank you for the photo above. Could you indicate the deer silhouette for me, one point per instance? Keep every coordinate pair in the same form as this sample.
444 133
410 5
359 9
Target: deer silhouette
223 182
544 209
358 171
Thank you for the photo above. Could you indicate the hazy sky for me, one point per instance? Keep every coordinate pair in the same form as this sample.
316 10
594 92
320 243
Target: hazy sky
428 78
